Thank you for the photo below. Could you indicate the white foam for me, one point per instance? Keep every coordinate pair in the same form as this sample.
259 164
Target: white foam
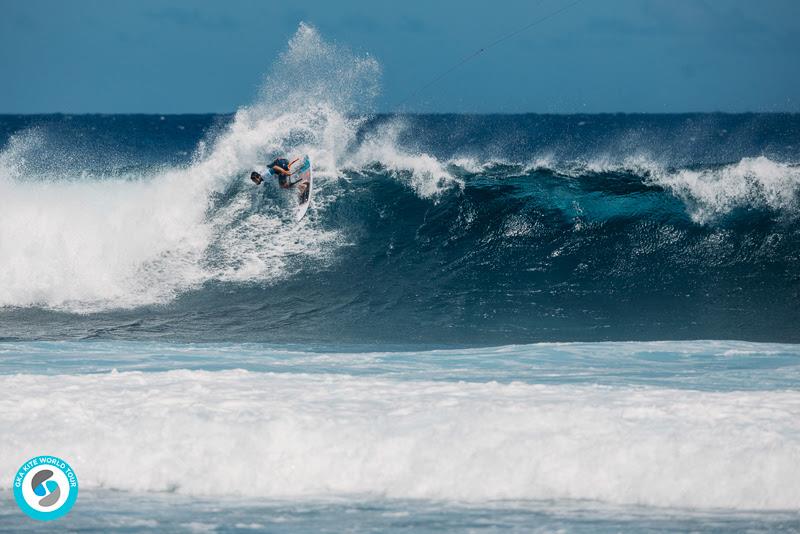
100 242
476 165
87 243
295 436
423 172
707 193
542 162
91 244
639 164
80 242
750 183
467 163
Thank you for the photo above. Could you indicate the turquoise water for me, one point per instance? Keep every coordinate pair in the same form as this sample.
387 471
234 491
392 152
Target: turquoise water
701 365
110 511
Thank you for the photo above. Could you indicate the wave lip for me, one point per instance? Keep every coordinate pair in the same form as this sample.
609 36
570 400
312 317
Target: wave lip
750 183
81 241
707 192
307 436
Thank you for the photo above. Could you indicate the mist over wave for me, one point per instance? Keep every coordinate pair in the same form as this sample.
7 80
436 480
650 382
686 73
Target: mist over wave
484 229
86 241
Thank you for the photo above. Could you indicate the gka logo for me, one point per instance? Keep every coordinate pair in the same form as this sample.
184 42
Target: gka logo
45 487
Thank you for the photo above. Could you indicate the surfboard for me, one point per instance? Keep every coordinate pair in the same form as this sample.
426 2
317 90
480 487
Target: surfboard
304 176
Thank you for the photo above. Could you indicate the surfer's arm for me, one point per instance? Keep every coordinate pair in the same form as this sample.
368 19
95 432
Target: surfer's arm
281 171
293 162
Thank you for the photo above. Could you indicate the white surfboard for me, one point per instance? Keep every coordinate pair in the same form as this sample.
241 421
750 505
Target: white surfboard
303 176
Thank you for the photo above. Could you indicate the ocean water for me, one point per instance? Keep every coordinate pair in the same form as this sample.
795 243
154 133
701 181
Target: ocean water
573 323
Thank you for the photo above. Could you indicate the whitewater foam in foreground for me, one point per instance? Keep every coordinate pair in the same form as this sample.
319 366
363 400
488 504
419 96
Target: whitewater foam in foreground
271 435
700 424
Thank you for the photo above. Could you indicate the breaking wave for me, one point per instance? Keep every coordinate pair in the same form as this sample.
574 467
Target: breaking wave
527 226
86 241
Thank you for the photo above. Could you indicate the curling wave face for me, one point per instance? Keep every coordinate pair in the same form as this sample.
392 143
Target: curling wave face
492 245
483 229
496 245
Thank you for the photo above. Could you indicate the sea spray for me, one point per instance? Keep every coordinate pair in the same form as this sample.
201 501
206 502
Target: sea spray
85 243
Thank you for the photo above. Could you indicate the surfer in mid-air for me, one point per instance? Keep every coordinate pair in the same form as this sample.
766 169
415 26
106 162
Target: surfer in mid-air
281 169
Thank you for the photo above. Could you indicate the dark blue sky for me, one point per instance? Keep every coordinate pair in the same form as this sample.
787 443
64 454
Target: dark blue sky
599 56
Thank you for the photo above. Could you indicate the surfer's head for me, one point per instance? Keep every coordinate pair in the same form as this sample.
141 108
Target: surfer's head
256 178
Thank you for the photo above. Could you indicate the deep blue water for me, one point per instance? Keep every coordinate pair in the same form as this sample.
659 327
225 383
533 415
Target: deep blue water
582 323
442 230
572 323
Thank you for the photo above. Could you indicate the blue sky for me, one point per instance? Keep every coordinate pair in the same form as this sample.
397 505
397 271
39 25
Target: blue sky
163 56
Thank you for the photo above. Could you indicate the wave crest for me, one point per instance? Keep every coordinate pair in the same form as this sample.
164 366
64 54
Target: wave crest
750 183
82 242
